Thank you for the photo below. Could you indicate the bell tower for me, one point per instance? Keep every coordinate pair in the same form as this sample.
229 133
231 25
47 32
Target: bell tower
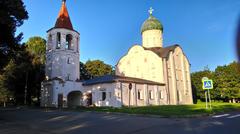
62 55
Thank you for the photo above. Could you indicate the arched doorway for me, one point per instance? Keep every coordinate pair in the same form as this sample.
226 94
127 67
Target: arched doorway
74 99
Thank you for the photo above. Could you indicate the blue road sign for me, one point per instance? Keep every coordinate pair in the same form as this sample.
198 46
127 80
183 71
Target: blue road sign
207 84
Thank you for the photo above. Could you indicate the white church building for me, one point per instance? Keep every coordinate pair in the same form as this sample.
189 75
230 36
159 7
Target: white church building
148 74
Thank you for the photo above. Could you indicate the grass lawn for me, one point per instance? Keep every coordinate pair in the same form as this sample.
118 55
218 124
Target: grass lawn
171 110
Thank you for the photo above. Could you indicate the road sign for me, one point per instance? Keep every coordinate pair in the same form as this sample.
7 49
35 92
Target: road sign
207 84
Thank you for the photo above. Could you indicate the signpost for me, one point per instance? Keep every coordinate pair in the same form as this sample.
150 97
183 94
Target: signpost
207 85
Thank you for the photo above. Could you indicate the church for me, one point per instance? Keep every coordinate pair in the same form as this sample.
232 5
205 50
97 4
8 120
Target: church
148 74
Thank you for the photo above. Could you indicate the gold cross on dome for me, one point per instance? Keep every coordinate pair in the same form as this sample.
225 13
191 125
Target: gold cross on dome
150 10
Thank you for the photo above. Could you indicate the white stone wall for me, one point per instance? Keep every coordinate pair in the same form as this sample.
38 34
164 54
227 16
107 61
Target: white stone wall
132 98
56 87
62 62
152 38
112 99
140 63
178 75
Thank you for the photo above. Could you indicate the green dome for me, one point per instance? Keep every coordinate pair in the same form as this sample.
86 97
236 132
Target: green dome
151 23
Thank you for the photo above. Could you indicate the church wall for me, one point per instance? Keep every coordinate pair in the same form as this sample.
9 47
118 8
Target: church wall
112 95
143 95
188 82
64 88
172 79
181 77
153 95
166 79
46 94
152 38
140 63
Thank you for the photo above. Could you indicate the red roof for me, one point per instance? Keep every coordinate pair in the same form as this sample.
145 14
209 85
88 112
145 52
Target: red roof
63 20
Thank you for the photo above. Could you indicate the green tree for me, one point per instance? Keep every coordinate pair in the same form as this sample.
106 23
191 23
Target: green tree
196 79
24 73
228 81
98 68
12 15
36 47
13 78
84 75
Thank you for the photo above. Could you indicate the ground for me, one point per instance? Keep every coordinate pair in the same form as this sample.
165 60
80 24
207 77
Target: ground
39 121
195 110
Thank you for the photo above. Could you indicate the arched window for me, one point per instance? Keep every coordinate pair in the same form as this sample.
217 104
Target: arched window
69 41
58 40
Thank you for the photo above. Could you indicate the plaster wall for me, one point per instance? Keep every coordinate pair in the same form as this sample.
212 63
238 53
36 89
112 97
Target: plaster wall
140 63
152 38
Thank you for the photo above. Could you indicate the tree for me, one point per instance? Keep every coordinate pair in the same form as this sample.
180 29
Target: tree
36 47
228 81
24 72
13 78
84 75
12 15
196 79
98 68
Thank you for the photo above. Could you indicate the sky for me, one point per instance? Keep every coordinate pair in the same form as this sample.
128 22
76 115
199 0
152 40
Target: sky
205 29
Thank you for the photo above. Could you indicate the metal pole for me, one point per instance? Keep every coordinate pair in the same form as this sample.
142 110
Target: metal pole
121 94
129 92
206 99
210 102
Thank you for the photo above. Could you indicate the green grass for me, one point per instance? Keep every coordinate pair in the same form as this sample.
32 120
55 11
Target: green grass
171 110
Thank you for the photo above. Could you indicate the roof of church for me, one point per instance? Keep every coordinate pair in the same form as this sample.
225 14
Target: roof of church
117 78
63 20
162 52
151 23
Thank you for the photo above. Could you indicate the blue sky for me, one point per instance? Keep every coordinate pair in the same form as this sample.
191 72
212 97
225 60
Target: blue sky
108 28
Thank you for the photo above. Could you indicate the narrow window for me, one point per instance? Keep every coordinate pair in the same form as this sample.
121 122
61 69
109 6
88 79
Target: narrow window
103 96
77 44
58 40
160 94
69 41
151 95
140 96
69 60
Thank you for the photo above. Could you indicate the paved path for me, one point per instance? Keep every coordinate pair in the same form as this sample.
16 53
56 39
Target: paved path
35 121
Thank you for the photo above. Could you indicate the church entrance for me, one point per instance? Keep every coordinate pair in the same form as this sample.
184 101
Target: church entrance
74 99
